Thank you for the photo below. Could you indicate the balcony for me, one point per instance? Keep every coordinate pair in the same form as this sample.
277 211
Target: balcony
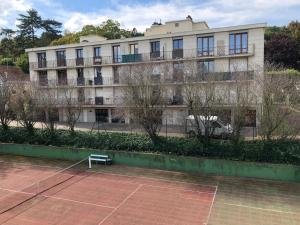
97 60
131 58
80 81
98 81
99 100
62 82
79 61
42 64
43 82
61 63
178 54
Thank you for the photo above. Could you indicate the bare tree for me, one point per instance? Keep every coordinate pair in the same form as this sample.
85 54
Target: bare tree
242 100
6 113
203 98
144 97
71 102
48 105
25 104
280 99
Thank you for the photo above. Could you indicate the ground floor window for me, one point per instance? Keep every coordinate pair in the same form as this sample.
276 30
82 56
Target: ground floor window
101 115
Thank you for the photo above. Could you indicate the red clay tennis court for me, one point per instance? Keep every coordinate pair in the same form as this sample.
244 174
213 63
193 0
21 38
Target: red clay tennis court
37 194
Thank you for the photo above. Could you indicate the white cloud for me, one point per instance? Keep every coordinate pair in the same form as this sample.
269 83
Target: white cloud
9 9
215 12
142 15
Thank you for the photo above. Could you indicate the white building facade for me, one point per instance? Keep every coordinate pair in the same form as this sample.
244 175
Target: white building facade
93 66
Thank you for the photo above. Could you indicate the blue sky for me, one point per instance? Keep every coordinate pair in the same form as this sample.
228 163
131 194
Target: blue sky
142 13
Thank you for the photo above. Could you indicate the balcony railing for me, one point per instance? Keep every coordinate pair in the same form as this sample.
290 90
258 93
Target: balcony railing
175 78
79 61
216 52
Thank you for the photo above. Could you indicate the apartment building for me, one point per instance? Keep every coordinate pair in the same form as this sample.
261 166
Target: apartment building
93 67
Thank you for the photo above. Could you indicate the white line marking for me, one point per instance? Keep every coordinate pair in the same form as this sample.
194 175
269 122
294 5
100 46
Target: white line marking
179 189
49 196
80 202
158 179
122 203
211 206
258 208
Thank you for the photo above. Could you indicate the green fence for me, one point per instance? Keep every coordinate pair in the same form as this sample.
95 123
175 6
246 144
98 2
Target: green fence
165 162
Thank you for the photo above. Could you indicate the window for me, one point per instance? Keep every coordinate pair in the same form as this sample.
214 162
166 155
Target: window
62 77
116 54
98 72
178 71
206 66
134 49
238 43
61 58
79 57
205 46
116 74
98 76
80 77
177 48
177 44
155 49
97 52
42 60
43 78
79 53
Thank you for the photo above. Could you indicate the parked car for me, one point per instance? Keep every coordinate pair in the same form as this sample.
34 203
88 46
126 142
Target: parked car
217 127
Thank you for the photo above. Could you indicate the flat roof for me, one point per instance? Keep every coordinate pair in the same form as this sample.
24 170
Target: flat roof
141 38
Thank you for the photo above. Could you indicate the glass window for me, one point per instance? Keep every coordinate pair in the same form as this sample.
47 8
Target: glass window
205 46
238 43
244 42
155 46
41 59
80 72
206 66
98 72
97 52
79 53
117 53
61 58
134 48
177 44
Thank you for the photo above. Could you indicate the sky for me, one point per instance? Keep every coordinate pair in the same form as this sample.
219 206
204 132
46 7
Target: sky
74 14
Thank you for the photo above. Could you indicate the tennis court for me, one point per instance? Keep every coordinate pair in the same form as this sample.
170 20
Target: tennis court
40 194
36 191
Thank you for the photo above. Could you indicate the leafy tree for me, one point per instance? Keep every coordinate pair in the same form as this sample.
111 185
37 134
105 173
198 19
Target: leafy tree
282 49
29 24
294 29
110 29
22 62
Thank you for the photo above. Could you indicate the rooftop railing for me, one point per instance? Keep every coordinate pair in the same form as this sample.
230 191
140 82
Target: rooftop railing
178 54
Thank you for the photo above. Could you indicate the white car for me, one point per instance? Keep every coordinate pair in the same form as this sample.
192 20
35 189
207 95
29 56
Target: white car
217 127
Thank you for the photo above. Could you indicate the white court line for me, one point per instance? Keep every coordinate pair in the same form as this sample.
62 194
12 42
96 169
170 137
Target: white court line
122 203
80 202
211 206
131 176
177 188
49 196
259 208
151 178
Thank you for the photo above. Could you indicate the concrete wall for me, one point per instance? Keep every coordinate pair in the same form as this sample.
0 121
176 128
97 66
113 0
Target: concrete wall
165 162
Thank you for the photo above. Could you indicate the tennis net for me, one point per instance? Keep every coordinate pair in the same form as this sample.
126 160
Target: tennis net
45 187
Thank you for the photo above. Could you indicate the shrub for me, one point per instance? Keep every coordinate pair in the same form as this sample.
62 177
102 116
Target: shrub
257 151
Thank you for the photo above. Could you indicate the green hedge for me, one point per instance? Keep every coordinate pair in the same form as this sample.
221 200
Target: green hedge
257 151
